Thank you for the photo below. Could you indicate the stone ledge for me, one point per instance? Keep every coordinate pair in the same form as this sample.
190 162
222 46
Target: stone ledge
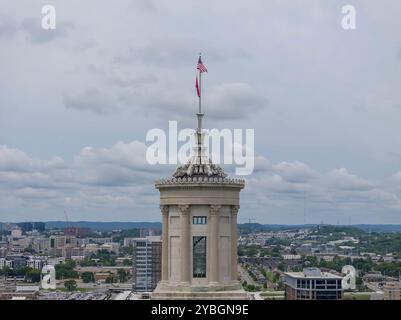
200 180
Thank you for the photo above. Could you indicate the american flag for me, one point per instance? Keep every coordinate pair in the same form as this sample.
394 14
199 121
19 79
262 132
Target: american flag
200 66
201 69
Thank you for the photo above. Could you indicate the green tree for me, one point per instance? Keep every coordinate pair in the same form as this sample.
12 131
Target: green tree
66 270
250 287
88 263
105 258
33 274
87 277
127 262
5 271
122 275
110 279
70 285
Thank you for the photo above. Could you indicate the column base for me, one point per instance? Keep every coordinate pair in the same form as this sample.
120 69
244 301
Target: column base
184 284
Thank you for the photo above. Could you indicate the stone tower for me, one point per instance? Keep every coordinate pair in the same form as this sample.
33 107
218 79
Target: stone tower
199 205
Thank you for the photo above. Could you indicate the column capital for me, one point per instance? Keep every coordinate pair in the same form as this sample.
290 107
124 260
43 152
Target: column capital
234 210
184 209
214 209
164 210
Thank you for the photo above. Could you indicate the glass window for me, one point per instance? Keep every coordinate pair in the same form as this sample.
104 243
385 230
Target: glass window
199 220
199 257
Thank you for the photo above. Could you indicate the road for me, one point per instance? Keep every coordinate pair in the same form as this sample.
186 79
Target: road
245 276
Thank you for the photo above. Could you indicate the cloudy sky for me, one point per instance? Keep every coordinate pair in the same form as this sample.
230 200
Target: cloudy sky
76 104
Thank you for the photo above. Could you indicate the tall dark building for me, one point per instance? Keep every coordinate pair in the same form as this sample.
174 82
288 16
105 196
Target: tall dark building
29 226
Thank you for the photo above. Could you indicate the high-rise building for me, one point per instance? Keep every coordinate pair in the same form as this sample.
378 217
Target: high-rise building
30 226
146 263
58 241
313 284
57 245
41 245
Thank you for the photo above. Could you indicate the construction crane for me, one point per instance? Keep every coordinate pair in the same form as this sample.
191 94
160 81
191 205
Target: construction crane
66 219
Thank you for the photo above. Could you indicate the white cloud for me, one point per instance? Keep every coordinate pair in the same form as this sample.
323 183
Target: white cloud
91 99
118 178
280 71
342 179
227 101
295 171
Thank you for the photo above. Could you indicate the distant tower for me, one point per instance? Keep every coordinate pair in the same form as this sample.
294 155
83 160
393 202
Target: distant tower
48 277
199 205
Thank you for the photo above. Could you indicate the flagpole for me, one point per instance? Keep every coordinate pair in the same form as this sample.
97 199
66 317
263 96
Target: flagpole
200 102
200 115
200 92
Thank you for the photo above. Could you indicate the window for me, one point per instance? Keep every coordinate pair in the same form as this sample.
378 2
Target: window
199 220
199 257
331 284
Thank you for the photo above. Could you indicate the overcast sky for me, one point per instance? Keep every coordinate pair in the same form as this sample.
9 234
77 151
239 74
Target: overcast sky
76 104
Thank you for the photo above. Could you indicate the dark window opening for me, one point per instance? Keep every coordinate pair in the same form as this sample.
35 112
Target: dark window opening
199 257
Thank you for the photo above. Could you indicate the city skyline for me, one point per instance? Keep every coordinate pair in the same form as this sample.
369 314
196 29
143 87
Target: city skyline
324 103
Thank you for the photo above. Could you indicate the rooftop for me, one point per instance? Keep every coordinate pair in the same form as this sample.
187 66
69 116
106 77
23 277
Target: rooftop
312 273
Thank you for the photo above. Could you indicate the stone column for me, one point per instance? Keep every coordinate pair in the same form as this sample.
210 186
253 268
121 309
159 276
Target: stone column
214 244
165 243
234 262
185 244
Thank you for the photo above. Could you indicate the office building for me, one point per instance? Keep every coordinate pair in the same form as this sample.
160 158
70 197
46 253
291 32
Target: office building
312 284
41 245
57 245
146 263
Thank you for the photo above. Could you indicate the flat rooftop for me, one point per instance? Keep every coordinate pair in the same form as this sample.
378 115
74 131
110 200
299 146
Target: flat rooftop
312 273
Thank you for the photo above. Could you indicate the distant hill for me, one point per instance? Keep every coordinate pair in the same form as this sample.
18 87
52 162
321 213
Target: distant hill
379 227
115 225
103 226
277 227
